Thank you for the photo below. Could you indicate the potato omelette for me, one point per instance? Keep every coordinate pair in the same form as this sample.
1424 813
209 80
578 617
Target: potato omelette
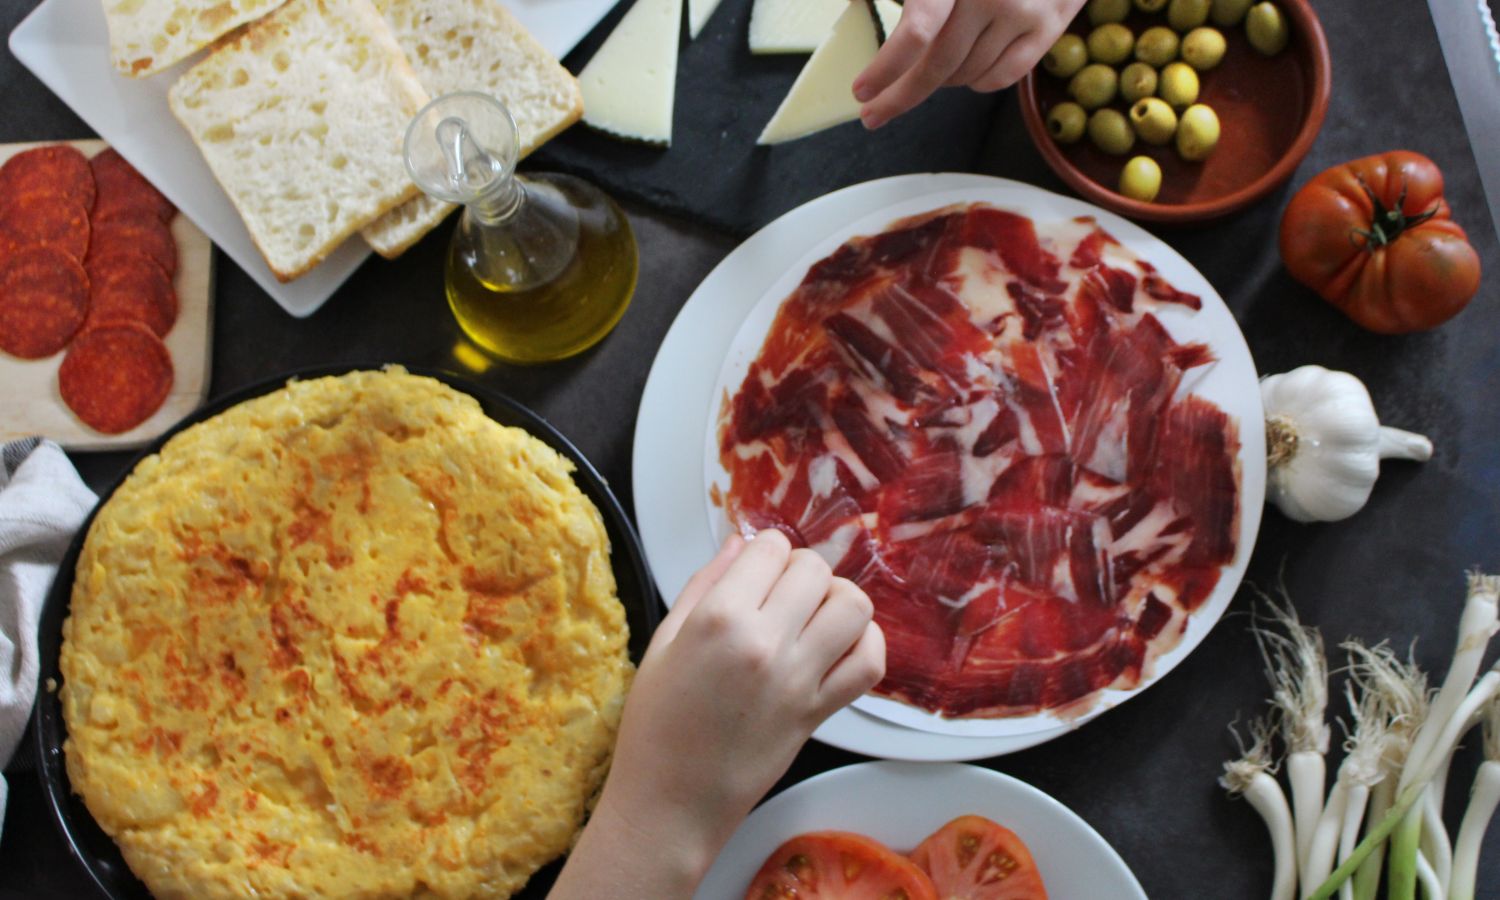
350 638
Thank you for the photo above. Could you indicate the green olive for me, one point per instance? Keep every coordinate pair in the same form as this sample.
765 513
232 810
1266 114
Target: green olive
1111 44
1197 133
1066 122
1150 5
1137 80
1154 120
1140 179
1185 15
1066 57
1178 85
1156 46
1111 132
1104 11
1095 85
1265 26
1203 48
1228 13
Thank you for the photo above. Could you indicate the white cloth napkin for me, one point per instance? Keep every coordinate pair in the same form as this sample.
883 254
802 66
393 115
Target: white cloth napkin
42 502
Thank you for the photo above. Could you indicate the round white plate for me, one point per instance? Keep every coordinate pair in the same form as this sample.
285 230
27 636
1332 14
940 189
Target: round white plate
899 804
680 402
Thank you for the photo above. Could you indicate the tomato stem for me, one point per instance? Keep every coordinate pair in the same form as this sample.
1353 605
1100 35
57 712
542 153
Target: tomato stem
1387 224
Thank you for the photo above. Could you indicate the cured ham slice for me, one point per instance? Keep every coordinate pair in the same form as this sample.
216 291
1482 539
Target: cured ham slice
983 424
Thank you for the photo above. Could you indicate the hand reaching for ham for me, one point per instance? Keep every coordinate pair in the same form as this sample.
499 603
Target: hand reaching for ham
982 44
762 646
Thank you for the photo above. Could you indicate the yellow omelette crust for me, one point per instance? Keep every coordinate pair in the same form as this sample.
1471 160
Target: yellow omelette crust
352 638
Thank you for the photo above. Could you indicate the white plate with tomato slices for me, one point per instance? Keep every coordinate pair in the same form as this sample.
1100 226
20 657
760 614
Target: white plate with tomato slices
901 805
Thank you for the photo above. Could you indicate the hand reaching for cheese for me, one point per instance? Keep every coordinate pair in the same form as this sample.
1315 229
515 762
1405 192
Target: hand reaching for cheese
761 647
983 44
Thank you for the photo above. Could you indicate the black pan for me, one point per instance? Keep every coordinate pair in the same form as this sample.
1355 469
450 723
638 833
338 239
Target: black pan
92 847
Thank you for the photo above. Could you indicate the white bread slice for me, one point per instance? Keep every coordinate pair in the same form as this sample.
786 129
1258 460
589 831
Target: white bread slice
301 118
146 36
474 45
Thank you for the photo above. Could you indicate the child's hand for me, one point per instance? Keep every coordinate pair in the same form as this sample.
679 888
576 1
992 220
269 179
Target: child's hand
983 44
762 646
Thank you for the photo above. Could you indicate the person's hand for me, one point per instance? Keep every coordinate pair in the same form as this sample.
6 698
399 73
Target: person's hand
983 44
761 647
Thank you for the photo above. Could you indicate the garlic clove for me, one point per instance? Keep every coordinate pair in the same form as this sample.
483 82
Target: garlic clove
1325 443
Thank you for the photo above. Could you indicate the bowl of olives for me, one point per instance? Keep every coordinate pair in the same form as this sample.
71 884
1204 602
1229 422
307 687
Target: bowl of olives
1180 110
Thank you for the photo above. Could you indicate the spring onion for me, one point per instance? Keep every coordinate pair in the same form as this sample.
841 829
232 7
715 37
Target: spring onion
1253 777
1483 800
1298 670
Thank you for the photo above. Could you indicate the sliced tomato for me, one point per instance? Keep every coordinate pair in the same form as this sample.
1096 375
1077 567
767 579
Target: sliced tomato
972 858
838 865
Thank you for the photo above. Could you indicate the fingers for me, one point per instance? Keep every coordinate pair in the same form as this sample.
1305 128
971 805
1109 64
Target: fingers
919 26
799 592
750 575
986 51
856 673
1012 65
936 66
837 624
697 586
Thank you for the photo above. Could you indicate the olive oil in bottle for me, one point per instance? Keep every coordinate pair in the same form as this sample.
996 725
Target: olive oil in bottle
541 267
531 320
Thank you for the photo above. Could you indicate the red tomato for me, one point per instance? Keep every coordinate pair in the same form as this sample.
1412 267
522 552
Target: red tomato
838 865
972 858
1373 238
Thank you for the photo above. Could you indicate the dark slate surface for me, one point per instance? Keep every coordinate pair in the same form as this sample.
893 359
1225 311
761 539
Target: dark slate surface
715 173
1144 774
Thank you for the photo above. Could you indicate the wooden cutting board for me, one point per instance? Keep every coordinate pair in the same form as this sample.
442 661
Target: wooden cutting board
29 400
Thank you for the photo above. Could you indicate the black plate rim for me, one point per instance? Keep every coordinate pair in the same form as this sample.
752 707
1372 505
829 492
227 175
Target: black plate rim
628 558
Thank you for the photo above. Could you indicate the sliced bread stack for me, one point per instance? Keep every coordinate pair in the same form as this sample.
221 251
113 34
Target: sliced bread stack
146 36
474 45
301 117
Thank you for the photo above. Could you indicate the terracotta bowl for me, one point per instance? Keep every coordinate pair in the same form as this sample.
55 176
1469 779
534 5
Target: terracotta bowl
1269 108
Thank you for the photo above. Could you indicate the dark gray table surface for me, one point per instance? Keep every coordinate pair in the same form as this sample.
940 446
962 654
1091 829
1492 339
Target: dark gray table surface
1144 774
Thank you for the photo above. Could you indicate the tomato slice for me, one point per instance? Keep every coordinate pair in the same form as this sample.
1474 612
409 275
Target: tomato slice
972 858
838 865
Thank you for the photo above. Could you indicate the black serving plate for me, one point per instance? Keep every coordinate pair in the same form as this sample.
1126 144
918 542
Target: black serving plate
88 843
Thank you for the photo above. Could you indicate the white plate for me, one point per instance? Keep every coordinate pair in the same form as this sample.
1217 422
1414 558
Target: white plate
670 447
899 804
66 45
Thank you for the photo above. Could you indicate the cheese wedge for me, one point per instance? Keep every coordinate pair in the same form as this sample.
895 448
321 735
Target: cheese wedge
823 94
628 86
797 26
699 12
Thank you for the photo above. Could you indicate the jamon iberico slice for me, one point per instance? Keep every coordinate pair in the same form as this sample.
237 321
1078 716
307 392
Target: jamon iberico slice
982 423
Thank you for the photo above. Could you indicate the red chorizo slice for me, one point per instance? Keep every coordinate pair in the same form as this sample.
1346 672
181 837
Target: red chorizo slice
44 219
44 298
124 191
130 287
115 376
135 233
56 170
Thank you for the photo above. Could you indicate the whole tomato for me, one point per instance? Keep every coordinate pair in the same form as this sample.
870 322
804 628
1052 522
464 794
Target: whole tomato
1373 237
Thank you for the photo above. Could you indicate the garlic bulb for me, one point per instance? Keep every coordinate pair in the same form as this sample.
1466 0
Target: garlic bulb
1324 443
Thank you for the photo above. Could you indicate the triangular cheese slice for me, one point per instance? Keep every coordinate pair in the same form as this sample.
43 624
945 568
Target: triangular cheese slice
823 94
798 26
698 14
628 86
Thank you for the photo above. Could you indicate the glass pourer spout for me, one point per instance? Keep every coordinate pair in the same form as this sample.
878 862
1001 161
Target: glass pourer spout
463 148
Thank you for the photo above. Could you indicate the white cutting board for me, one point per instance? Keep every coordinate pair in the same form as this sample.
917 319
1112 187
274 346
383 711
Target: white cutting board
65 43
29 401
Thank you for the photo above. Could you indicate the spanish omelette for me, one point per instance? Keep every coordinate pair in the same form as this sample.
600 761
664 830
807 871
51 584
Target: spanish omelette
349 638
